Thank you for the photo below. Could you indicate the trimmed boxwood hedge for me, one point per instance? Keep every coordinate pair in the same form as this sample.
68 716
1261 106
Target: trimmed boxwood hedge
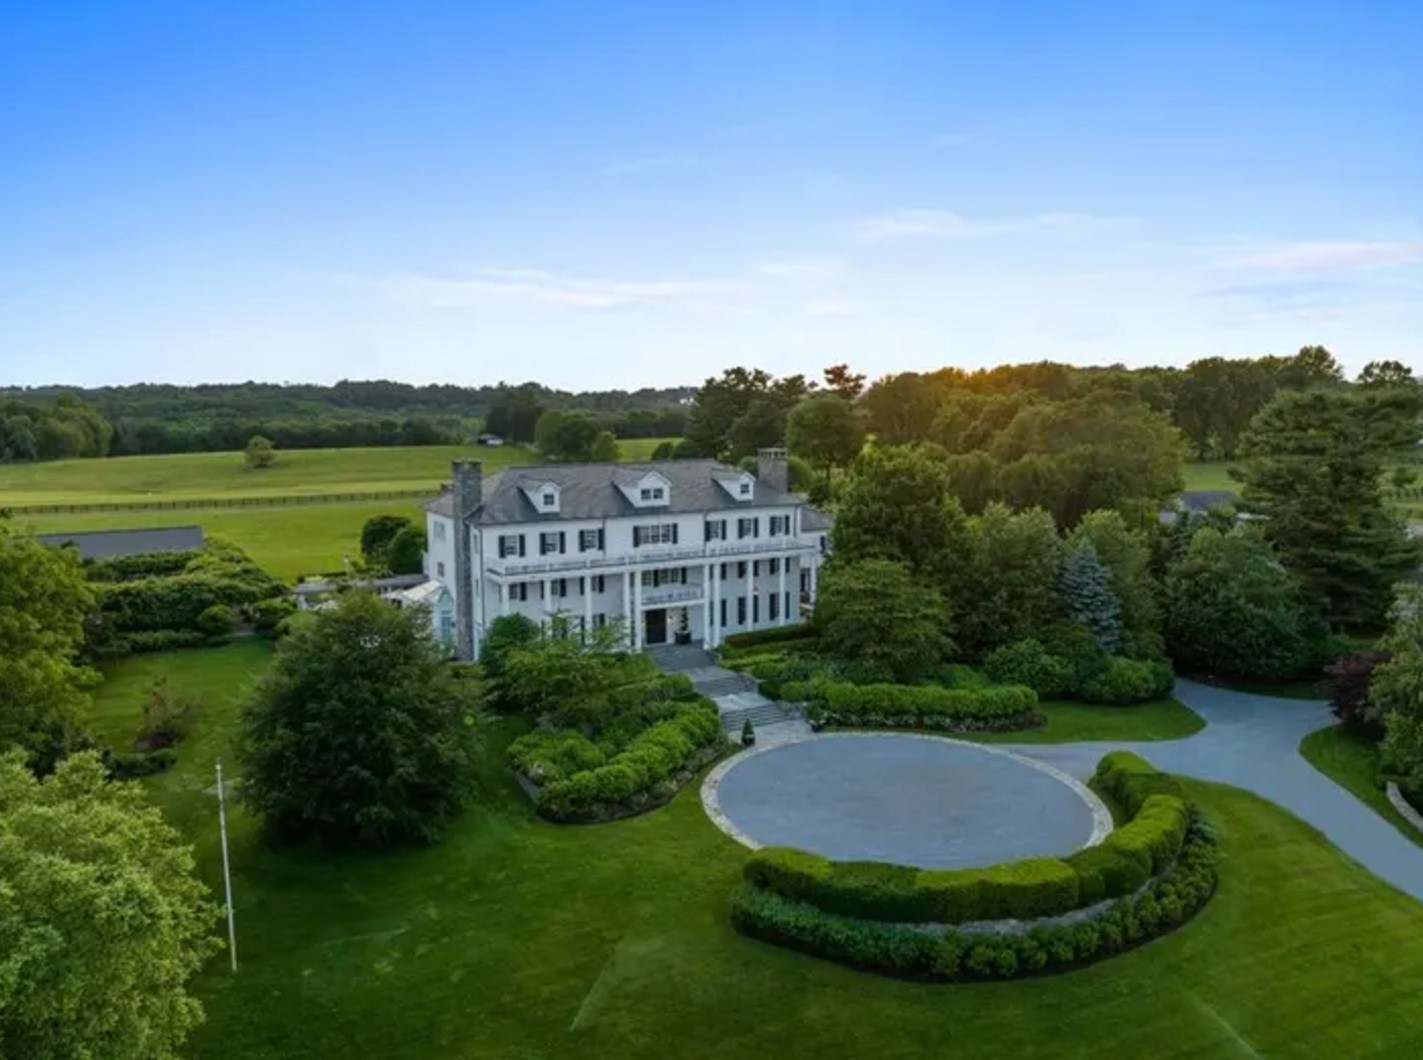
644 773
1021 890
739 642
901 950
995 707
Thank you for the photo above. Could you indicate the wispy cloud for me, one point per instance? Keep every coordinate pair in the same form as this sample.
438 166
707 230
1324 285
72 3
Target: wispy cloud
944 224
808 267
539 287
638 164
1328 256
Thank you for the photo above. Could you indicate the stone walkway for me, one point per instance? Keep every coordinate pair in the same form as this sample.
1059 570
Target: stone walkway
1252 742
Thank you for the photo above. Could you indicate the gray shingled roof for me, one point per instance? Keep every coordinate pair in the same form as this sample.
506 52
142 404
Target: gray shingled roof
107 544
590 491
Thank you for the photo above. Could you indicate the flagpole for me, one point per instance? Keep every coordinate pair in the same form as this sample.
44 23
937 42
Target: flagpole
226 866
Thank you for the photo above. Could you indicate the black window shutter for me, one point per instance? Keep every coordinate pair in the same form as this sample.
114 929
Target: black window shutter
562 542
581 542
755 527
521 544
601 546
674 533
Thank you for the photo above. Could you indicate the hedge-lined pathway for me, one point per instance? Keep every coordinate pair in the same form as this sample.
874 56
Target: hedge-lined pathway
1252 742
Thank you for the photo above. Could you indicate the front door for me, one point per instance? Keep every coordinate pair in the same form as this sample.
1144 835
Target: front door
656 630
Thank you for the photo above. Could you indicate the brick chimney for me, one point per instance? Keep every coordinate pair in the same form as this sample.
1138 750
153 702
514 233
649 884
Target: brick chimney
467 487
771 469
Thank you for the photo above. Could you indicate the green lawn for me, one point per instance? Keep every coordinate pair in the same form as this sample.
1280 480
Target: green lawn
519 939
1210 475
1162 719
1352 762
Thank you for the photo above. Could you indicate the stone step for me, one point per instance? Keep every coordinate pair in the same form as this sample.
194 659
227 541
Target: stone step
767 714
725 686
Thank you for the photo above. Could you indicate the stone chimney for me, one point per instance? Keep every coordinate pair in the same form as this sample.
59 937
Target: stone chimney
467 487
771 469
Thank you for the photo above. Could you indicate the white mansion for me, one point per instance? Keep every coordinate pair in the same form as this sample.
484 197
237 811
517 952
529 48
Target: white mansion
676 551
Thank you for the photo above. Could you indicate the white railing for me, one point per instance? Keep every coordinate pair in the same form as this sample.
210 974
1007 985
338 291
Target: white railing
649 556
670 595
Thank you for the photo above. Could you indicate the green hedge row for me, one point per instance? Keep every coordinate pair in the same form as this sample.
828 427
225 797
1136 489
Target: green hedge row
1022 890
871 890
144 565
1093 676
644 772
802 636
917 706
895 949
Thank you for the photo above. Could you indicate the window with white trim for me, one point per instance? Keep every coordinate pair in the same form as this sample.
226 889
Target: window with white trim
748 527
550 499
439 529
590 540
439 570
654 534
653 493
550 541
780 525
716 529
511 545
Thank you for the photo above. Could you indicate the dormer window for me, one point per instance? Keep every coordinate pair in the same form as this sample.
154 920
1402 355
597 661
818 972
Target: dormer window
652 493
745 489
550 500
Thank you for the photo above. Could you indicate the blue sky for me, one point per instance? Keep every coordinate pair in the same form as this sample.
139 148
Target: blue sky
624 194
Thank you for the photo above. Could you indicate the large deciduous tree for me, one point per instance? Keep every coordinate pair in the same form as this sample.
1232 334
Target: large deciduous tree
566 437
827 432
1313 474
514 413
896 504
45 601
900 409
882 620
1005 587
1232 608
260 453
102 919
359 732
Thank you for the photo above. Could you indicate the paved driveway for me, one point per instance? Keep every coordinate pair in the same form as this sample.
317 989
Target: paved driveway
1252 742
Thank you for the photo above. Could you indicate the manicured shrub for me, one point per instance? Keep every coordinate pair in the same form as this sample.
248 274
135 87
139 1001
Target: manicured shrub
1122 681
216 621
143 565
759 637
1027 662
545 756
1154 835
641 773
158 640
266 615
922 706
897 949
1349 678
1130 780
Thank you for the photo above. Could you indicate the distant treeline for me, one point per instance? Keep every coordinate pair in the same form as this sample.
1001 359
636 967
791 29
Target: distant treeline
48 423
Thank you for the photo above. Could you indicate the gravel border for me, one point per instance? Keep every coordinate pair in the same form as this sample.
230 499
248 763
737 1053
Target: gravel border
1403 806
711 786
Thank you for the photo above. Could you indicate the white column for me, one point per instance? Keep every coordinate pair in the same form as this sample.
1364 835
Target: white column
715 592
548 602
503 597
627 604
587 605
782 609
814 571
637 611
707 641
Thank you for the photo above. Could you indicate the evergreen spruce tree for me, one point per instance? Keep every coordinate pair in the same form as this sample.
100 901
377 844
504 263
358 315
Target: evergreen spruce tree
1088 597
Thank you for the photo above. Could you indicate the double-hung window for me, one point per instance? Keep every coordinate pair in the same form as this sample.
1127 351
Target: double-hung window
780 525
716 529
439 529
550 541
654 534
511 545
590 541
652 493
597 583
748 527
774 601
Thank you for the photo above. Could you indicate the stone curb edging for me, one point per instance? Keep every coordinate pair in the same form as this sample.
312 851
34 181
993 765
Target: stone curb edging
1403 806
711 786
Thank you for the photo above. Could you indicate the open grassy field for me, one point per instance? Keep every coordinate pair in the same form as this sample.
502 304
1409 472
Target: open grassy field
1210 475
288 540
298 472
518 939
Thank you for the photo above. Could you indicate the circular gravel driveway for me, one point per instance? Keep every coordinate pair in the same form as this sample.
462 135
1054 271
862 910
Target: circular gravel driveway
912 800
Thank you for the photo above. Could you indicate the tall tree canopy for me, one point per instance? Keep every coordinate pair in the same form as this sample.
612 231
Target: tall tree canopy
883 620
1126 554
102 919
826 431
1232 608
741 410
44 603
1314 460
1005 586
896 504
565 437
359 732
